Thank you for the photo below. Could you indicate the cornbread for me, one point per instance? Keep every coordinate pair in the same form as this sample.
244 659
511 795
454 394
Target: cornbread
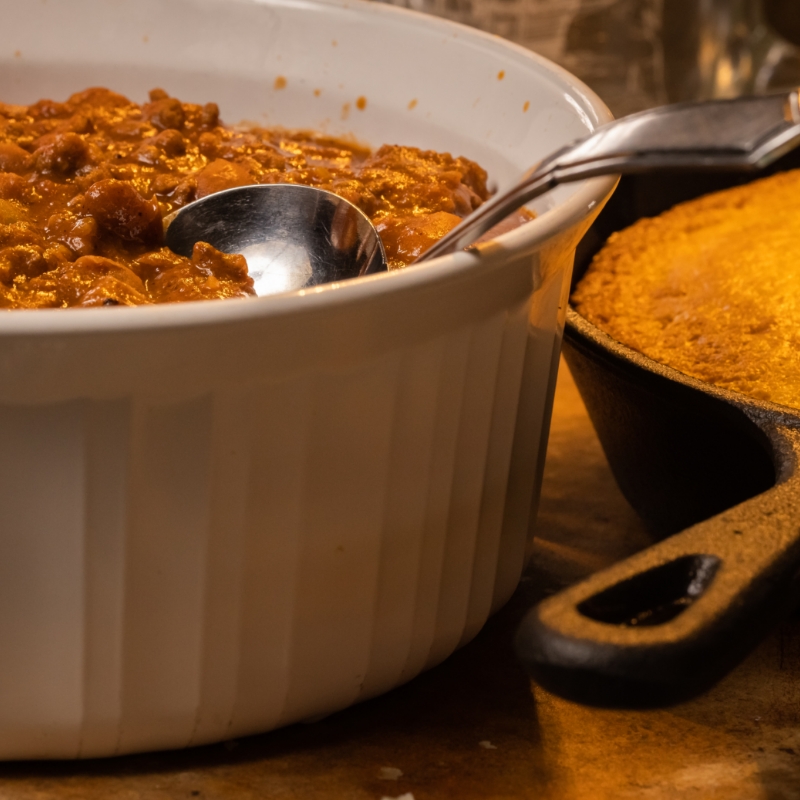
710 287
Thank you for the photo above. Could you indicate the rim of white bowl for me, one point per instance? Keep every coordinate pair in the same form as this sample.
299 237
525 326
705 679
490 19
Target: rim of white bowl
526 238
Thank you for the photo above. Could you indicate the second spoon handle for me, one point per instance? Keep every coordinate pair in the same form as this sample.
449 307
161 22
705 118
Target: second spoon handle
746 133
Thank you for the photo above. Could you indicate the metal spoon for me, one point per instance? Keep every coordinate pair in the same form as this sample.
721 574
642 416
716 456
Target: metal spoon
298 236
292 236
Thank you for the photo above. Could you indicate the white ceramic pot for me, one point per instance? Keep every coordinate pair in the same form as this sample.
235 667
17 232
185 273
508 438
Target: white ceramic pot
219 518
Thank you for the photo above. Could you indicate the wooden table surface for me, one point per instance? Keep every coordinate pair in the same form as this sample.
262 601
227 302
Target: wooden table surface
475 727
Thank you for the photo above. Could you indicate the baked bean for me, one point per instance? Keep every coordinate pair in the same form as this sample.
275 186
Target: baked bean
210 115
165 113
13 158
60 152
77 233
222 265
121 210
219 175
13 187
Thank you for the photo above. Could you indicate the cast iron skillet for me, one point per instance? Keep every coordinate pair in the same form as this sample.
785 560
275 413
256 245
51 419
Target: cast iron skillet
721 468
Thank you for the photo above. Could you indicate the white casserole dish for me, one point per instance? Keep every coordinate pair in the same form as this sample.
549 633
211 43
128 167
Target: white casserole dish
219 518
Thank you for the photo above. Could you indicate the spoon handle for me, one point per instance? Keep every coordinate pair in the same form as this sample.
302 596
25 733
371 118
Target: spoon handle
746 133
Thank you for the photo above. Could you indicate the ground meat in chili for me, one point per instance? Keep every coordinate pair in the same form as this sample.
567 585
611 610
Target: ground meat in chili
85 185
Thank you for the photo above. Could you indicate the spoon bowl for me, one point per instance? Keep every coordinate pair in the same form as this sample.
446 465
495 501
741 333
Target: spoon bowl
292 236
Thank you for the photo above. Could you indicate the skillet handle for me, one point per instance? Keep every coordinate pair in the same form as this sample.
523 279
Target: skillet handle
667 623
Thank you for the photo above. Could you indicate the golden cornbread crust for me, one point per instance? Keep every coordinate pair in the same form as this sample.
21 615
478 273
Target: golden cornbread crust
710 287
